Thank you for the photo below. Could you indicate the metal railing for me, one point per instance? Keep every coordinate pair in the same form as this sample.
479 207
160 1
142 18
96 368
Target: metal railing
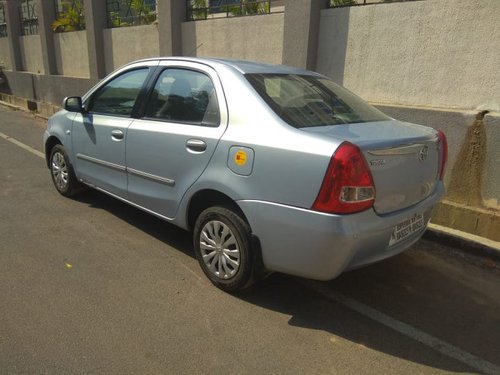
349 3
130 12
3 22
28 14
197 10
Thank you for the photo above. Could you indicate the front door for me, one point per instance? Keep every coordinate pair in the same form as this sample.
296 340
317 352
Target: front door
99 134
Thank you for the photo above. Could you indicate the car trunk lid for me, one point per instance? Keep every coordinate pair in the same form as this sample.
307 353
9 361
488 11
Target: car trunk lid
403 159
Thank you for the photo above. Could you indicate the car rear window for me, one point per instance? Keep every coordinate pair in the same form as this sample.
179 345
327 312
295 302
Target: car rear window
306 101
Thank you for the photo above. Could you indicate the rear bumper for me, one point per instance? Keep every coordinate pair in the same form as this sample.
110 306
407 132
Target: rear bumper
321 246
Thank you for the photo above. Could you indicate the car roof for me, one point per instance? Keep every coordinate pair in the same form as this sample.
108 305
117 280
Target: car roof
243 66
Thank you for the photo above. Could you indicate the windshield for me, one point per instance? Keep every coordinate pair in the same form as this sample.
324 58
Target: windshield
305 101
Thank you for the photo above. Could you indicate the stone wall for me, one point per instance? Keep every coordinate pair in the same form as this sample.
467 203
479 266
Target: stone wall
72 59
125 44
258 38
5 53
31 54
426 53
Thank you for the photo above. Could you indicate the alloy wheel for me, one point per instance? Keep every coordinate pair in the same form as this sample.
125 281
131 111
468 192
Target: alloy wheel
59 171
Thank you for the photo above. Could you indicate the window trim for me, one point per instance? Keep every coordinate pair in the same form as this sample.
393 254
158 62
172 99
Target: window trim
254 82
89 100
148 94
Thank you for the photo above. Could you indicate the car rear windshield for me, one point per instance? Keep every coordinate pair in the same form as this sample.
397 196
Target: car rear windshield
305 101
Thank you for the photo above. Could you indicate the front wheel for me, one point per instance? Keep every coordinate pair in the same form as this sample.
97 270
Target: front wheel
62 173
222 243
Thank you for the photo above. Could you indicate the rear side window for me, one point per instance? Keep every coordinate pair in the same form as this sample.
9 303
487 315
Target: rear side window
305 101
186 96
118 96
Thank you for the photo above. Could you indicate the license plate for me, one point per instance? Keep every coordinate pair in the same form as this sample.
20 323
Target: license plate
406 228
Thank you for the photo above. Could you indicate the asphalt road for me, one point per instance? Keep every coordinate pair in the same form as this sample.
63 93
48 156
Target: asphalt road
93 286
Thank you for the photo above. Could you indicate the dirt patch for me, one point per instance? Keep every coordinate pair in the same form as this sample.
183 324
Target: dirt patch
467 173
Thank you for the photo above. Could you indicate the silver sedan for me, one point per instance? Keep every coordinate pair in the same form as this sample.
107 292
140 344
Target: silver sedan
273 169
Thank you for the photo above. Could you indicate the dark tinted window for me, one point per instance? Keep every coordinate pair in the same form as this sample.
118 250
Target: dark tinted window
118 96
304 101
182 95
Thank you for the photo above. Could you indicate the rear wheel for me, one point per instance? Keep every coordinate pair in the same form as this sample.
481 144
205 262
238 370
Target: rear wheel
62 172
222 243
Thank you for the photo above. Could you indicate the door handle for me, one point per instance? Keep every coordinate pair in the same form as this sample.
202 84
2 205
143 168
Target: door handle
116 134
196 145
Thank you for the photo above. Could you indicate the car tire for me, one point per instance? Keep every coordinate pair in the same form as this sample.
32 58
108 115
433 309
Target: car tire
63 175
223 247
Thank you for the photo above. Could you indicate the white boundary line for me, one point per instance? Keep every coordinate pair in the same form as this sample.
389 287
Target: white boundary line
22 145
432 342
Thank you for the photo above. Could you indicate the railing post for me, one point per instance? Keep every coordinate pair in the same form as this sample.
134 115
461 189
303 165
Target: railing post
300 34
171 15
47 15
95 23
13 20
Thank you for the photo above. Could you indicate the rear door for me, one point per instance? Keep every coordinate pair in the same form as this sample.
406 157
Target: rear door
171 145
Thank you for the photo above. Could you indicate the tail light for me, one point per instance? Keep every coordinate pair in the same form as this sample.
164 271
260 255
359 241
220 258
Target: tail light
348 184
443 157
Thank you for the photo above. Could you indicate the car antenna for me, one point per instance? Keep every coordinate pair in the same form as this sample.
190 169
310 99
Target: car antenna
196 49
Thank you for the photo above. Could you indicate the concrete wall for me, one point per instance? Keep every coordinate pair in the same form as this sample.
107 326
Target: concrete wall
491 188
31 53
125 44
72 58
45 88
425 53
257 38
5 53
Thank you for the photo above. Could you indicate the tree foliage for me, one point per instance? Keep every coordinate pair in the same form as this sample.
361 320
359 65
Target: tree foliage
72 17
200 8
339 3
143 13
248 7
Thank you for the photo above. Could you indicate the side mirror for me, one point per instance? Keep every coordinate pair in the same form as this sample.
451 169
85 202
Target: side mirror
73 104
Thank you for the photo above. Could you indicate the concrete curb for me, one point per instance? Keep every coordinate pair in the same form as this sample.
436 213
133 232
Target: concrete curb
483 222
24 109
14 106
38 108
466 242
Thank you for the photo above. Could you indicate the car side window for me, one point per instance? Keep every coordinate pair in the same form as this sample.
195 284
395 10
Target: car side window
186 96
118 96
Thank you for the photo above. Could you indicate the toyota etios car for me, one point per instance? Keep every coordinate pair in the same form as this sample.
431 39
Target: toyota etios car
272 168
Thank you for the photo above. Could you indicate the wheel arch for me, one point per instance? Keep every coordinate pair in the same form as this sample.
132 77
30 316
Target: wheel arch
206 198
49 145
